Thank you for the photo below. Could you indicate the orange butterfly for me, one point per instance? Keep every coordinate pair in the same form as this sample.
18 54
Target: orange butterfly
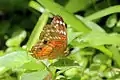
53 40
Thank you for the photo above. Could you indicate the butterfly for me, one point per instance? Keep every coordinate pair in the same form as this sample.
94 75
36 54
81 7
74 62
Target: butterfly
52 41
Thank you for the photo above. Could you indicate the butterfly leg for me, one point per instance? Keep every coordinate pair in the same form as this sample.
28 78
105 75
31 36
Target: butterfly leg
67 52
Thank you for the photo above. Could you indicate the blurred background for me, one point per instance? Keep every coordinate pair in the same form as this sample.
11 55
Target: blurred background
99 57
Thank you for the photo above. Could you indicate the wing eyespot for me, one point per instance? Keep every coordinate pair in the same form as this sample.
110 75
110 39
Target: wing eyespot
45 42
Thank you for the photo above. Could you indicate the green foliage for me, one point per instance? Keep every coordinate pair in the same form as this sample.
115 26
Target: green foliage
111 21
4 27
36 32
15 59
93 33
17 37
38 75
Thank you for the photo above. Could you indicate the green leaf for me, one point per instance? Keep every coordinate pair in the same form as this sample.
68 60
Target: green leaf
90 24
14 59
116 29
17 37
96 40
72 35
94 67
36 6
81 60
39 75
104 12
73 73
101 59
77 5
1 52
37 30
95 70
108 73
118 23
12 49
100 38
33 65
111 21
116 54
104 50
87 51
64 63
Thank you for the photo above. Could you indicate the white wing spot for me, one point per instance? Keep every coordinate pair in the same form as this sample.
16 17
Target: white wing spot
47 34
64 33
48 31
57 30
61 22
56 37
50 37
64 24
59 38
42 40
52 30
56 25
57 21
45 37
61 32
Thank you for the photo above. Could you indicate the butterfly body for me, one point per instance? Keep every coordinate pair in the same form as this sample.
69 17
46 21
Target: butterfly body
53 40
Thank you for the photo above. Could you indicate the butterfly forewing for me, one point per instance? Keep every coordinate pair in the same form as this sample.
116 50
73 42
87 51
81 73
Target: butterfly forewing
53 40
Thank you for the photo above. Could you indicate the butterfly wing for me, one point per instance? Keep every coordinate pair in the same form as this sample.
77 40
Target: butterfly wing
53 40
